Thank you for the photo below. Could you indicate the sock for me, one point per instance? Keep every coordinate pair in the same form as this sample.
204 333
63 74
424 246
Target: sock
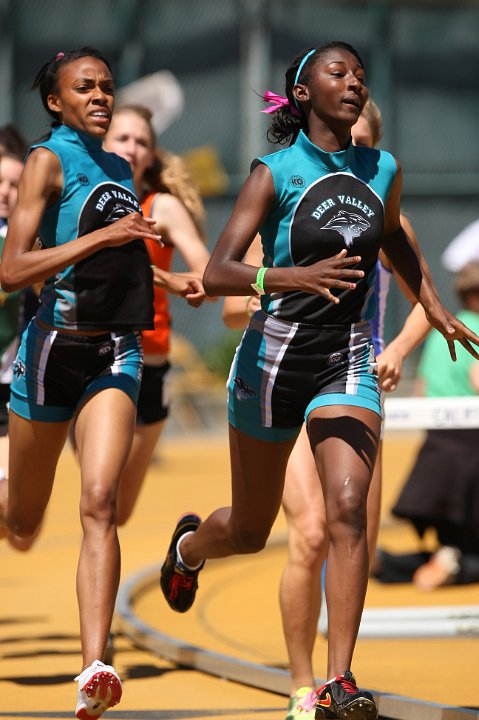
178 553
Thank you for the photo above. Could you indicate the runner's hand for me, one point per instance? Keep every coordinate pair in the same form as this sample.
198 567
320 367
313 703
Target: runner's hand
131 227
452 329
390 362
333 273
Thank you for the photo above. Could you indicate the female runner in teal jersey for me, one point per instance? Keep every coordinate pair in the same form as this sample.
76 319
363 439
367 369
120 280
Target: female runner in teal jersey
81 356
310 351
300 587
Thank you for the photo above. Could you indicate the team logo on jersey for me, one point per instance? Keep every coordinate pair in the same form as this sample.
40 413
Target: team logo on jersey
83 179
334 212
297 181
18 368
334 358
106 204
105 349
242 390
349 225
117 212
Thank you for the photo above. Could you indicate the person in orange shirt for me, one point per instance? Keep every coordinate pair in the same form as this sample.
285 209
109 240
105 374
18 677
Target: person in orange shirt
166 194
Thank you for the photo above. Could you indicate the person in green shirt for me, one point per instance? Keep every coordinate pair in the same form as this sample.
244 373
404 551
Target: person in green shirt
438 375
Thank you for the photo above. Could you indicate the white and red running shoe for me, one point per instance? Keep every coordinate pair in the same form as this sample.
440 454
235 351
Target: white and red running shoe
99 688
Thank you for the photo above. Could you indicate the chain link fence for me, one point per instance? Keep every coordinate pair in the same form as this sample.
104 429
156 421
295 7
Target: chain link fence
421 57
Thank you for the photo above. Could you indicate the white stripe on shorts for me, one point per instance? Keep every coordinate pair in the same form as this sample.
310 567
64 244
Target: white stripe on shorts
271 377
50 338
354 369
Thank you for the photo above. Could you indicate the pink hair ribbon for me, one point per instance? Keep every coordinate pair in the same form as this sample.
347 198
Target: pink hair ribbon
277 102
59 56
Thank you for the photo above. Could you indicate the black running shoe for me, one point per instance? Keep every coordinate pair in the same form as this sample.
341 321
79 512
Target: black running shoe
340 698
179 583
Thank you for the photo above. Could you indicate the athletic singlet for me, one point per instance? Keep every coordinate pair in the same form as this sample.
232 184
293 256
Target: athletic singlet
325 202
157 341
112 288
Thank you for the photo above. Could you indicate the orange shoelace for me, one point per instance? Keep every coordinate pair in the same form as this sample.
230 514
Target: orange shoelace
349 687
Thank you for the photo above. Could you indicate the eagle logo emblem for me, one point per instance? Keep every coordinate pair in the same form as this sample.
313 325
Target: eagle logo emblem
242 390
18 368
348 225
117 212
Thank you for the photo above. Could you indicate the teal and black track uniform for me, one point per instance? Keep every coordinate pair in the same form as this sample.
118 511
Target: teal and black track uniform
110 290
301 351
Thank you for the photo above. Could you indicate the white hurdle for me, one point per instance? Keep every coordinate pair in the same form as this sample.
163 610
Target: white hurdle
422 413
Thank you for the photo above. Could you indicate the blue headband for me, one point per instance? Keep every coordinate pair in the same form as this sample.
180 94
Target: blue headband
298 73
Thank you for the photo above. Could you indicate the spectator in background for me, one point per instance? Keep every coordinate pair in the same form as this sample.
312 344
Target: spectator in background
462 249
12 141
442 490
10 170
167 194
13 308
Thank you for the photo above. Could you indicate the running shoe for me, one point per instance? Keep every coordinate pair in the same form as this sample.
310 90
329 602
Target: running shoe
178 582
302 704
99 688
340 698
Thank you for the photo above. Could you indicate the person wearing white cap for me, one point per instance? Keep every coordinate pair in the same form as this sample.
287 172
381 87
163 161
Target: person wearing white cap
462 249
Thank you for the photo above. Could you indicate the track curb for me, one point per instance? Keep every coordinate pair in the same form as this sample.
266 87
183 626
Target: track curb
391 707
